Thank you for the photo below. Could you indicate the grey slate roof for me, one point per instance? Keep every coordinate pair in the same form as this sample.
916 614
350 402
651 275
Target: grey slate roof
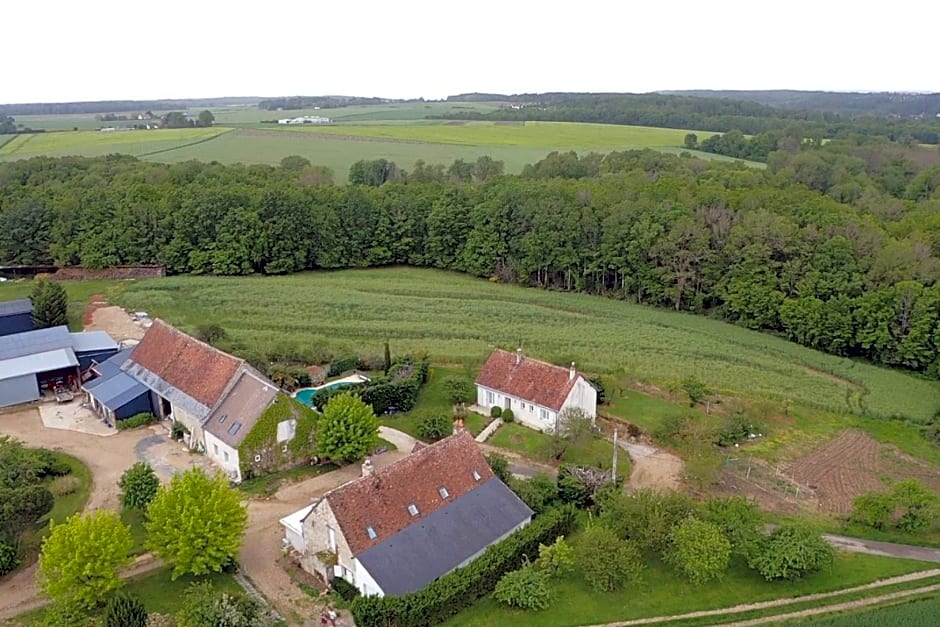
442 541
15 307
35 363
32 342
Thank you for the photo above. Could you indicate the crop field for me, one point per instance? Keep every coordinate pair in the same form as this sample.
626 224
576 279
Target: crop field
94 143
459 318
546 135
338 154
923 611
397 132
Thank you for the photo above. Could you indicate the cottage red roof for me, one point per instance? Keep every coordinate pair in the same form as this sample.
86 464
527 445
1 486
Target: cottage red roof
526 378
381 500
193 367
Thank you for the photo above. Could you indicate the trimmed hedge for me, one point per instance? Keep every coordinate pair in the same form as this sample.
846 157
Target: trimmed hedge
398 390
137 420
461 588
496 411
343 364
508 416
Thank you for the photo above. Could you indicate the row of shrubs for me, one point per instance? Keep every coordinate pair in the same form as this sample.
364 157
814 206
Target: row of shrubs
137 420
461 588
498 412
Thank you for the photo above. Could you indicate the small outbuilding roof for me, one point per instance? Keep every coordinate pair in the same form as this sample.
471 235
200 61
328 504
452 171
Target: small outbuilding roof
295 521
16 307
116 391
35 363
92 341
112 365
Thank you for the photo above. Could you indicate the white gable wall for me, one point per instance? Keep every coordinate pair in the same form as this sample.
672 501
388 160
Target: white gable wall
366 584
582 396
223 455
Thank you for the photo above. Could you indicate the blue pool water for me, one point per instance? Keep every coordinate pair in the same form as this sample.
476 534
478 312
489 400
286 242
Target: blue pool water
306 395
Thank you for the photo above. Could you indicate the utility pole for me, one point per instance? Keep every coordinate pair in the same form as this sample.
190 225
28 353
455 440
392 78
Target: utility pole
613 471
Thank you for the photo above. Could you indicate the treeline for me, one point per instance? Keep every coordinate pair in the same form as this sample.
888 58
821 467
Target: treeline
112 106
830 250
324 102
854 104
709 114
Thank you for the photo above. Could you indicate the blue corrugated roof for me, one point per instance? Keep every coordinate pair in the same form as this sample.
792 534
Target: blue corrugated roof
115 392
35 363
112 365
32 342
442 541
15 307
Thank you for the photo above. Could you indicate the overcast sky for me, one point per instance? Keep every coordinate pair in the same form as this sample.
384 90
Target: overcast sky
67 50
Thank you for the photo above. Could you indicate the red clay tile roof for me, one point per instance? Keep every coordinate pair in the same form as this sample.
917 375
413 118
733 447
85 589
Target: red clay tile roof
191 366
381 500
532 380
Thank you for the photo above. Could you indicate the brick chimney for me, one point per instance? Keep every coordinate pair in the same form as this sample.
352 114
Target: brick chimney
518 356
572 372
367 468
458 425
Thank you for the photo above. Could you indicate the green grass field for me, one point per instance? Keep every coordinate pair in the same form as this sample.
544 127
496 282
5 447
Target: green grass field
662 593
920 612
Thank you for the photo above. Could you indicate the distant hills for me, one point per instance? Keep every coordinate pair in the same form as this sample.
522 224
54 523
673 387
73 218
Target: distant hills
115 106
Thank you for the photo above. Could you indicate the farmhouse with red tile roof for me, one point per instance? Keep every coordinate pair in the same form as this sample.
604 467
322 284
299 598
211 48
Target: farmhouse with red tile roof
534 390
217 397
396 530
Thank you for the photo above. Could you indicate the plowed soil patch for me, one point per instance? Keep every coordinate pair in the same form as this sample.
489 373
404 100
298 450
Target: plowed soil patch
854 463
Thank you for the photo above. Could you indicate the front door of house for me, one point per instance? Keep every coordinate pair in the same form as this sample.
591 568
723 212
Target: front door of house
507 402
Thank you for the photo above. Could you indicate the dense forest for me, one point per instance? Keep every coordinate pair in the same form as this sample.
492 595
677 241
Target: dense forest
694 113
836 247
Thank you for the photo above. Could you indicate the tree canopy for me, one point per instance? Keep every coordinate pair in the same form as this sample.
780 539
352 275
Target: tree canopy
50 304
196 523
81 558
348 430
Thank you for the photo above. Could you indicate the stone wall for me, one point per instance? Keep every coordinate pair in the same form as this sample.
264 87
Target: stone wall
78 273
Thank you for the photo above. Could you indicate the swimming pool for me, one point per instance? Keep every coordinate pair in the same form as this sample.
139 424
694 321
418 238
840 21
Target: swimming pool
306 395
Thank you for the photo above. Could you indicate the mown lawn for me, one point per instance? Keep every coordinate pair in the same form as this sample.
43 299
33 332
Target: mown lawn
135 519
596 452
662 593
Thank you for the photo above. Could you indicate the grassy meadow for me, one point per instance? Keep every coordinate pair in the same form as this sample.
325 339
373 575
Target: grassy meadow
662 593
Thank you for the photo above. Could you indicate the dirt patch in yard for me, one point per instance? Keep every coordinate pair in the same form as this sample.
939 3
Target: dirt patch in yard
99 316
853 463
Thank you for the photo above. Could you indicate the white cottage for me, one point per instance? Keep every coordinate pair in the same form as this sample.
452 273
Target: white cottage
534 390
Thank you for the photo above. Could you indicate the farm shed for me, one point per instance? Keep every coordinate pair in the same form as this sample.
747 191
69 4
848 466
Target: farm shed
115 395
16 316
33 361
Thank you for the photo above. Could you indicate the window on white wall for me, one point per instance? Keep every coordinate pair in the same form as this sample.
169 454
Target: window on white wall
226 455
490 398
215 447
544 415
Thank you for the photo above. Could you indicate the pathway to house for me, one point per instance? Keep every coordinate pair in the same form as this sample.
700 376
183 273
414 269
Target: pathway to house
652 467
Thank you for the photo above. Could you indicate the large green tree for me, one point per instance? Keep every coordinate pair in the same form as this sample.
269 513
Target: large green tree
698 550
606 562
50 304
348 429
790 552
196 523
81 558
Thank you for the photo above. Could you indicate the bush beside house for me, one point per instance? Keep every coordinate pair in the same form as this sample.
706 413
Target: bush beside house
262 443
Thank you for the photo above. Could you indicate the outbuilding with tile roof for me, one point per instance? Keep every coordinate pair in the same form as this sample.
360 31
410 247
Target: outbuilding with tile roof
536 391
